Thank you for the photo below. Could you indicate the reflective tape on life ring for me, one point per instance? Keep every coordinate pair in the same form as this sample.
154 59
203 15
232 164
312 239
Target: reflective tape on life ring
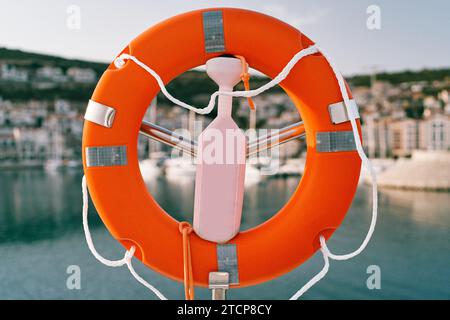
118 191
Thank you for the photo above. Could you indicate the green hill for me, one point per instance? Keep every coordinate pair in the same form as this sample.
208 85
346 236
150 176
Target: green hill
35 60
192 86
426 75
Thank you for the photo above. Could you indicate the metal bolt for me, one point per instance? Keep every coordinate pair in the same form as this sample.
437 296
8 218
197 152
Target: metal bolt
219 283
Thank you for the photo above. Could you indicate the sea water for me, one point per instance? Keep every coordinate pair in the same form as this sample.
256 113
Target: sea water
41 237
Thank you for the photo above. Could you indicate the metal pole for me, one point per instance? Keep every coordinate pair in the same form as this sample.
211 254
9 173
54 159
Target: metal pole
163 135
219 284
278 137
168 137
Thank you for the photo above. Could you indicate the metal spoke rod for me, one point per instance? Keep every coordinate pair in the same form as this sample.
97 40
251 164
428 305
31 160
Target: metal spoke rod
277 137
168 137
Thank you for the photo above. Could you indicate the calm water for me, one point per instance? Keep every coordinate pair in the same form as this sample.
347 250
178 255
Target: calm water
41 235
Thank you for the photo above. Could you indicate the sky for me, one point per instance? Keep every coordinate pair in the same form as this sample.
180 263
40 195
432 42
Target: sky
413 35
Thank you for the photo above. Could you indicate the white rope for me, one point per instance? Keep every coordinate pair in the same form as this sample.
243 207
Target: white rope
120 61
129 257
327 254
126 260
316 278
368 166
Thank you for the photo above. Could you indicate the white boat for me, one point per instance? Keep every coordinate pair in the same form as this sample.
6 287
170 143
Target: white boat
74 164
149 169
292 167
252 175
53 165
379 166
55 159
179 167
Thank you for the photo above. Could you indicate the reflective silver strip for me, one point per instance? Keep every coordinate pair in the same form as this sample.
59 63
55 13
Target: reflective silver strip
100 114
213 31
227 261
335 141
338 112
106 156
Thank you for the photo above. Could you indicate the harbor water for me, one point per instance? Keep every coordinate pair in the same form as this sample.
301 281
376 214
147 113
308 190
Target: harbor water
41 236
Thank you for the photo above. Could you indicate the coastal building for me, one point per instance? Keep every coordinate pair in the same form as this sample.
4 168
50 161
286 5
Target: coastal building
31 143
12 73
377 136
21 144
447 109
76 125
22 114
444 96
268 105
50 73
405 137
435 132
62 106
385 137
362 95
82 75
8 149
2 117
432 103
273 110
21 117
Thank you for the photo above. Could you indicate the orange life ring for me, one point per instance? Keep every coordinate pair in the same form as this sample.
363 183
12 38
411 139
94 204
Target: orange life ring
172 47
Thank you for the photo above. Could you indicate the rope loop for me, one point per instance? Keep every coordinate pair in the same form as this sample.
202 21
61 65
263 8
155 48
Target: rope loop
245 77
185 226
130 253
128 257
186 229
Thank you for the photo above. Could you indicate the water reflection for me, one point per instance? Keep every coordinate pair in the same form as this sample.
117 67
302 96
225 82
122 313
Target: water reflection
422 207
177 198
40 225
36 205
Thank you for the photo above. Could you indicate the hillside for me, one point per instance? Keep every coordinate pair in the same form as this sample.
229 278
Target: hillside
426 75
34 60
192 86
